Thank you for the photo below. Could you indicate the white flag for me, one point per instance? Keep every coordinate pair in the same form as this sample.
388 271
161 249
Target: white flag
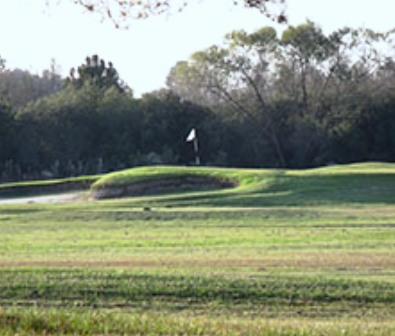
191 135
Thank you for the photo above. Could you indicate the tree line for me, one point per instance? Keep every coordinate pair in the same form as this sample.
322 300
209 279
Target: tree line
91 123
302 99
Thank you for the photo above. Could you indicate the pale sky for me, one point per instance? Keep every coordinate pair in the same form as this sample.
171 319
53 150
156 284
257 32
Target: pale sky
31 34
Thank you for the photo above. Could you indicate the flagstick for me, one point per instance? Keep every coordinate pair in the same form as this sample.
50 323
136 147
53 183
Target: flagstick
192 136
196 148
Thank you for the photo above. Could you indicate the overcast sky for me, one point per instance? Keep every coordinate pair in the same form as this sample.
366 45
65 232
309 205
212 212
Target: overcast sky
31 33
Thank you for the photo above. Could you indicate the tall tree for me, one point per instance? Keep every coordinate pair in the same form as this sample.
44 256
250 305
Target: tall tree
95 71
296 92
166 121
21 87
239 75
6 126
2 64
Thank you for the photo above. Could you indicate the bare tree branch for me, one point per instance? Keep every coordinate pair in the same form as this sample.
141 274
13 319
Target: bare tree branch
120 11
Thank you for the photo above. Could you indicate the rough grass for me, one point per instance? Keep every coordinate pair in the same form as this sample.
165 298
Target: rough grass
263 292
82 322
309 252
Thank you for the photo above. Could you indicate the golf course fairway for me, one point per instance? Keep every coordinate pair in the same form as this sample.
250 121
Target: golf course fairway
203 251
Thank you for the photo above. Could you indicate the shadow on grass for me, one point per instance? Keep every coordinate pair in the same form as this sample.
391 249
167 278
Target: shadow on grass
105 288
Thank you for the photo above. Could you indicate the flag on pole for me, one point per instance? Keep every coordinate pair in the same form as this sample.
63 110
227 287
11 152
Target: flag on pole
192 135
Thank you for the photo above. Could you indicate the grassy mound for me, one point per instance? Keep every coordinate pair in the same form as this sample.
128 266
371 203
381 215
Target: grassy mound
209 186
355 183
159 180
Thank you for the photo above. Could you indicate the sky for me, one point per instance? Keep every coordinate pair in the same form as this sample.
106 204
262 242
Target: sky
32 33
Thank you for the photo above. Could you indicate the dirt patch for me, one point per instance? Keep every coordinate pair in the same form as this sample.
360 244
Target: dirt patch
42 189
57 198
162 186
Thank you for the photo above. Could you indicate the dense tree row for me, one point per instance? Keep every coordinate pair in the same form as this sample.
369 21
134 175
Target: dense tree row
86 131
302 94
93 124
20 87
258 100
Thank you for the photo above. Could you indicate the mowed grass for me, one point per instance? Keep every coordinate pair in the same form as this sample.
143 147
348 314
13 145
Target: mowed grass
307 252
356 183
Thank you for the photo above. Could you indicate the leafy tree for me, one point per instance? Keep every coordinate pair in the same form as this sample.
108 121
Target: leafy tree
118 129
59 127
239 76
297 92
2 64
85 125
167 121
305 49
371 137
96 72
6 130
77 128
21 87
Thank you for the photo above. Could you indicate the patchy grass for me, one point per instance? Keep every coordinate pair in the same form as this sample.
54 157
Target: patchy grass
110 322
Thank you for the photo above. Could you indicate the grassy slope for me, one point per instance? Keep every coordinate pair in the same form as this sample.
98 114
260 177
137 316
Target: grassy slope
357 183
322 265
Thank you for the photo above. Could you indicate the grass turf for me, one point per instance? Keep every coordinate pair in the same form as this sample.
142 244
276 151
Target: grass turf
284 253
337 185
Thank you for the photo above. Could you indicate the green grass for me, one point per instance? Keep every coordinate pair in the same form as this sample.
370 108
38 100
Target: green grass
81 322
358 184
306 252
180 290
